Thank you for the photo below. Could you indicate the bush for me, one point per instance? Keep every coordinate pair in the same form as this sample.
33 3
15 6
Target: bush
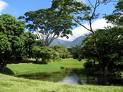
76 52
44 53
63 52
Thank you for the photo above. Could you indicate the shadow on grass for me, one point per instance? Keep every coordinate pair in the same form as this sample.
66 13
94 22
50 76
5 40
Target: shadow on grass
6 71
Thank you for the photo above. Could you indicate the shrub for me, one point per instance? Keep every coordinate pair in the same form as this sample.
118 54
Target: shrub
44 53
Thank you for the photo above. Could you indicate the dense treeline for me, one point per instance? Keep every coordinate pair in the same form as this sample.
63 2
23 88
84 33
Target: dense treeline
103 50
16 44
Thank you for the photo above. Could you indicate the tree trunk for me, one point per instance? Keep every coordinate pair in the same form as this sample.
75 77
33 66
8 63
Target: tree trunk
2 65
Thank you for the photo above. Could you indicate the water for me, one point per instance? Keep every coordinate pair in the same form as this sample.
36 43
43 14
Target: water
72 79
68 77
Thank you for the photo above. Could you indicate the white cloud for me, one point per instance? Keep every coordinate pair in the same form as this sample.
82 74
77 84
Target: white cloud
100 24
3 5
78 0
79 31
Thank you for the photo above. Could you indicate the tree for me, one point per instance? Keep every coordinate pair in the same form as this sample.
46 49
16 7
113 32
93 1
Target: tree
48 24
18 49
11 29
117 17
10 26
63 52
109 43
76 52
44 53
29 41
104 47
36 53
5 48
59 19
81 13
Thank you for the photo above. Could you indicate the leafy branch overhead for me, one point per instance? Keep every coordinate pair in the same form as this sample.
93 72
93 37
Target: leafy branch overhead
117 16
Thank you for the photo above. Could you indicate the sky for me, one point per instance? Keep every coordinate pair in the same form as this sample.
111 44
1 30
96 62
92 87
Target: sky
19 7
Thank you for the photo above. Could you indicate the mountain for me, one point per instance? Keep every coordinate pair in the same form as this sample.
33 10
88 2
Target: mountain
61 42
68 44
77 41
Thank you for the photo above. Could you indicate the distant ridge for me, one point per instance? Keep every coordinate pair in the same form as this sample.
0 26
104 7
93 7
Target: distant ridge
68 44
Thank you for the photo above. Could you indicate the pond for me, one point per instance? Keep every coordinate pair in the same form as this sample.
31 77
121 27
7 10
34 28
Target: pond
67 76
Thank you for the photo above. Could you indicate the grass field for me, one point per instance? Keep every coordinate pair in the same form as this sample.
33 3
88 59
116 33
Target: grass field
13 84
56 66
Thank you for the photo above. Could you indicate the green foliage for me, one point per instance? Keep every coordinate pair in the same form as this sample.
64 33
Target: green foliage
63 52
10 26
29 41
4 43
76 52
48 24
15 43
62 6
44 53
56 21
5 48
103 48
107 52
10 36
117 18
17 47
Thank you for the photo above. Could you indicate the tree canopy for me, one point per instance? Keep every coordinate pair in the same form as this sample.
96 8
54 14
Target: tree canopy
109 43
117 17
103 49
44 54
48 24
10 36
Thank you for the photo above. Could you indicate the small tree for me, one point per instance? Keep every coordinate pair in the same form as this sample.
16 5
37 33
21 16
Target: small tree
36 53
76 52
44 53
63 52
29 41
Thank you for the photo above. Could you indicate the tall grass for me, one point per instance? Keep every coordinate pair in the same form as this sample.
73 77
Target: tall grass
12 84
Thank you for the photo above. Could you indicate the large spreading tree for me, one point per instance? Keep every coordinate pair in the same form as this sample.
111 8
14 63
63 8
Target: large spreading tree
53 22
48 24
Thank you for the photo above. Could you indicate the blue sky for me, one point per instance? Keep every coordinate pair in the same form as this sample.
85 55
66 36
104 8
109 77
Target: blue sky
19 7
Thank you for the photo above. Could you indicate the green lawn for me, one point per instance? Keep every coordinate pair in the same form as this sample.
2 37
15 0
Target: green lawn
13 84
28 68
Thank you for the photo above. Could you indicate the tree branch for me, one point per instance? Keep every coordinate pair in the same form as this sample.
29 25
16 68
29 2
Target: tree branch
81 24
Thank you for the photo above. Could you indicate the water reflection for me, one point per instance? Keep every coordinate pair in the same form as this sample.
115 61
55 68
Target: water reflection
67 76
72 79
